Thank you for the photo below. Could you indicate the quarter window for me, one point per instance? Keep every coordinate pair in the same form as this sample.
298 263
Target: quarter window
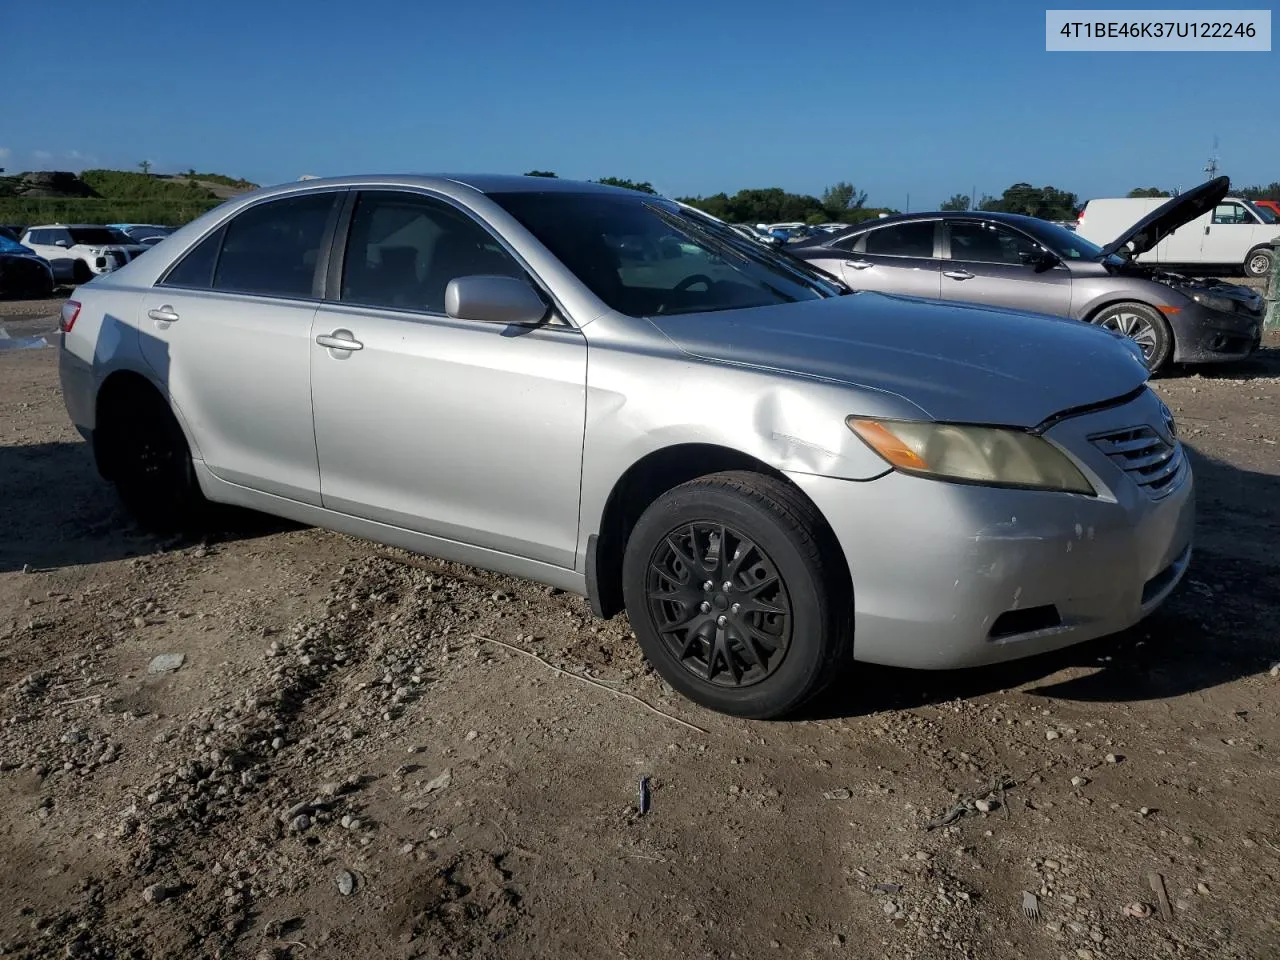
1231 213
402 251
195 270
272 248
902 240
988 243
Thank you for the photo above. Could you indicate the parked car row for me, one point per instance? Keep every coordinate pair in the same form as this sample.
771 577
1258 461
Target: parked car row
23 272
770 472
68 253
1031 265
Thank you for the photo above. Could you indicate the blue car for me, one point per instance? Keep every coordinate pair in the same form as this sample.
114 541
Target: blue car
23 272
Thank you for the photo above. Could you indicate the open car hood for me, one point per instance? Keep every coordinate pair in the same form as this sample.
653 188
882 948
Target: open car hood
1170 215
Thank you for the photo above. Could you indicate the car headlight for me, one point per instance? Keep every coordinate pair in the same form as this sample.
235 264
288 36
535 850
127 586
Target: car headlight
1212 302
987 455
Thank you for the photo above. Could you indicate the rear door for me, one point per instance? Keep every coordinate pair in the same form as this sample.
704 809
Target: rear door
896 258
227 330
988 264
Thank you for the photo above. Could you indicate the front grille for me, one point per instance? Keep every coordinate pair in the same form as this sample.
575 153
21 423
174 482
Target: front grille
1151 459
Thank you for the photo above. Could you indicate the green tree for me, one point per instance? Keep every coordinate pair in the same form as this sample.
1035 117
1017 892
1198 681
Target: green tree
1137 192
541 173
1047 203
643 187
839 199
958 201
989 203
145 167
1270 192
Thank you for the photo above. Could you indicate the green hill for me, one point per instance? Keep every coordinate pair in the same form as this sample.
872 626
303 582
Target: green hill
113 196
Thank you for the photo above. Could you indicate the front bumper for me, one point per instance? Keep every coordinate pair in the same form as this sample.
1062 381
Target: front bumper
952 575
1202 335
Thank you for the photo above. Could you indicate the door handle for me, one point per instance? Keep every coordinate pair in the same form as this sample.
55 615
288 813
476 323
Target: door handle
1206 230
340 340
959 274
858 264
163 314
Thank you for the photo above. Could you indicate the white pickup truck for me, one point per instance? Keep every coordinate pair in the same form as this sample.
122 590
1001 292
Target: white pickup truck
80 252
1234 233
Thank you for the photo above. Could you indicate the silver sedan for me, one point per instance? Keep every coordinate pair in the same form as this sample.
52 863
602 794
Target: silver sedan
616 395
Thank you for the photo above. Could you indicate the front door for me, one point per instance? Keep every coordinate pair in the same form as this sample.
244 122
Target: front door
993 264
227 330
457 429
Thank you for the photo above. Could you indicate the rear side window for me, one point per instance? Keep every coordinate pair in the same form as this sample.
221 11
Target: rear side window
195 270
272 248
403 250
902 240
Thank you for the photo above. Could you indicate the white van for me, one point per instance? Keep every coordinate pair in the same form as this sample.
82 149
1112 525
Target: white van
1233 233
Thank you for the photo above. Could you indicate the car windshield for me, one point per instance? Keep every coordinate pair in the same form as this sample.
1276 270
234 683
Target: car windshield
1067 244
644 256
96 236
1267 216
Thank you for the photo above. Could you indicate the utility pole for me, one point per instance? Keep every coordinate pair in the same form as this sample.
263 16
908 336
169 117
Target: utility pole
908 210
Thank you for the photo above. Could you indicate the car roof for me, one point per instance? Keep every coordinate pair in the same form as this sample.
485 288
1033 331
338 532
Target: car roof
1016 219
481 182
68 226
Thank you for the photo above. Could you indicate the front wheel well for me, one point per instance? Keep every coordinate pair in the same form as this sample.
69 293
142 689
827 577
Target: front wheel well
119 394
644 481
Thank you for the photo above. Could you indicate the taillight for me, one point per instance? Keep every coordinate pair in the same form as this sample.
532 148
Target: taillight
70 311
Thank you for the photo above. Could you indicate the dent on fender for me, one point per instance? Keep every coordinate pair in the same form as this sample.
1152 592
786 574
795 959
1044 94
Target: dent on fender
804 434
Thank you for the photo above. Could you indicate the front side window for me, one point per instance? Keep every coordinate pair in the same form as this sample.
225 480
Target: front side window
902 240
402 251
989 243
272 248
1227 213
646 256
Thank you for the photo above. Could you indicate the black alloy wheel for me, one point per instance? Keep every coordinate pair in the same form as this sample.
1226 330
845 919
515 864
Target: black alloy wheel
719 604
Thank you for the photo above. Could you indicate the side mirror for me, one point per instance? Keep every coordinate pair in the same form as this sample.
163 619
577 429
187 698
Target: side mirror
62 243
494 300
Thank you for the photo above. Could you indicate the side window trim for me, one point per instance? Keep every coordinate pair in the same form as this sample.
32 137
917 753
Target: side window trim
337 252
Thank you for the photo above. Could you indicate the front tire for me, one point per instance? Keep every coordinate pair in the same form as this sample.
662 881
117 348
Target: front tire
1258 262
142 449
1144 326
738 595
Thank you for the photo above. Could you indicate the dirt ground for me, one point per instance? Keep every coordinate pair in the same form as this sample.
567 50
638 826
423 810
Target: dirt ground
341 767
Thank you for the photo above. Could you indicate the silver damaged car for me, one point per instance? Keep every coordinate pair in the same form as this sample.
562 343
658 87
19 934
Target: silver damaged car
617 395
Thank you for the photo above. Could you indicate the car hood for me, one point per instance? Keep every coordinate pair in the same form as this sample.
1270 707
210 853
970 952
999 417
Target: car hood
1169 216
955 362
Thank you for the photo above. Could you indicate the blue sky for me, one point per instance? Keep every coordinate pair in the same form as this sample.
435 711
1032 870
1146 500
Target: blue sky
925 99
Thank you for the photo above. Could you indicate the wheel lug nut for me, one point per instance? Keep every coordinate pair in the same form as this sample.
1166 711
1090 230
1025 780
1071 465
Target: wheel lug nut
735 608
722 620
728 585
708 586
705 607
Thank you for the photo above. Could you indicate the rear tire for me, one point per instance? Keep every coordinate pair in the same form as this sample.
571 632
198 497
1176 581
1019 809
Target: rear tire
1258 262
1143 325
142 449
772 640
